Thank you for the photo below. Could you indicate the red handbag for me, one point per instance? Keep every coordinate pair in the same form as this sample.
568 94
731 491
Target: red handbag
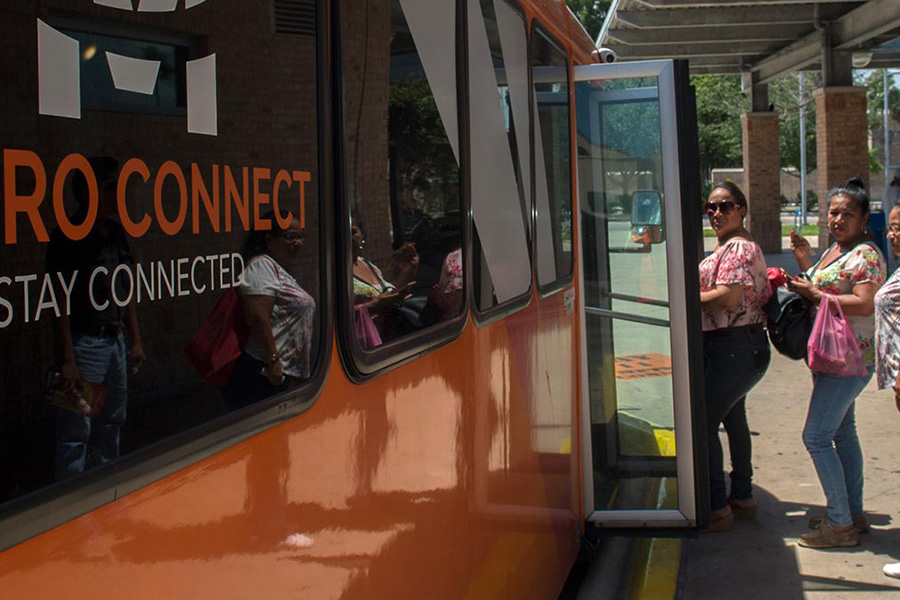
215 348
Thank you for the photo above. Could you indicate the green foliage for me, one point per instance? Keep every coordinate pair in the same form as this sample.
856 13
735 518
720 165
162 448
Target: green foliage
720 103
591 13
874 82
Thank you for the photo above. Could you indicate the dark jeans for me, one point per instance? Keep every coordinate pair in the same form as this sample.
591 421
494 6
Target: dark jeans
732 365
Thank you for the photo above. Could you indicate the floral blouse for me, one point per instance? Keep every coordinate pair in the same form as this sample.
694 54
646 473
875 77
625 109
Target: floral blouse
738 261
887 332
363 291
862 264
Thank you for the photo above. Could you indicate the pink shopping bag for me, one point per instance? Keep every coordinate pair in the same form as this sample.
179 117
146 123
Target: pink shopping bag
832 344
366 332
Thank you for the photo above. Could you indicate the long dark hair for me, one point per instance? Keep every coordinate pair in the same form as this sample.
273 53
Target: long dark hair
855 189
729 186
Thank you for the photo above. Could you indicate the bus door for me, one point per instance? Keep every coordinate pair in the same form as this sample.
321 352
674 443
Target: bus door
638 191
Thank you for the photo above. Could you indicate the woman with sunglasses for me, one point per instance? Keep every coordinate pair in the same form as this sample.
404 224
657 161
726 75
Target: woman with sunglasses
733 289
280 315
851 270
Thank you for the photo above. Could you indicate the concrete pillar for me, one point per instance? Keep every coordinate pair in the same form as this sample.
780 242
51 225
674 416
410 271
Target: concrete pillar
842 148
762 178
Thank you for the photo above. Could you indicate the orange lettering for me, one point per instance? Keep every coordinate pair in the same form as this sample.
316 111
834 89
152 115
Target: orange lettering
242 203
71 231
170 169
30 205
259 199
199 192
302 177
282 177
134 165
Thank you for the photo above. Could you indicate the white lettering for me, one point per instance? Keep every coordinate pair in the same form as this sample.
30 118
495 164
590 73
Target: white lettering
235 276
183 276
212 260
47 289
145 283
68 289
99 307
26 279
6 304
168 279
197 289
222 272
127 270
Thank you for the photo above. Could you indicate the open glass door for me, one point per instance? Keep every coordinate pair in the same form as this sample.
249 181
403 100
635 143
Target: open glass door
645 461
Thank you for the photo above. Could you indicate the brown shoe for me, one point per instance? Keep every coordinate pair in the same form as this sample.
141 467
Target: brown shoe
720 523
827 536
744 509
862 524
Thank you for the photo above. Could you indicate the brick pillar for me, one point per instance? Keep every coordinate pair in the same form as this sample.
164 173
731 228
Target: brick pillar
842 148
762 178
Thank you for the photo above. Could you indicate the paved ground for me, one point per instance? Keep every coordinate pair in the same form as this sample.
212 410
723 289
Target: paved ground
760 559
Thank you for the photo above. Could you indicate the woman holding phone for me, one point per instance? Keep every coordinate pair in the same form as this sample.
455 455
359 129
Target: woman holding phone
851 270
372 290
733 289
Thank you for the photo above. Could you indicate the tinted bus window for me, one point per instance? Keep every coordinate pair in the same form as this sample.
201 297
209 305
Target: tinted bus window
160 190
402 168
552 162
500 148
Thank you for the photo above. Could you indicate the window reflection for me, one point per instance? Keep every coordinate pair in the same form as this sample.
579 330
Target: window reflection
404 176
132 228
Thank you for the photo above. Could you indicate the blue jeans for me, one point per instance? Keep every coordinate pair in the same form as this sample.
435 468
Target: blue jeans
83 442
732 365
830 437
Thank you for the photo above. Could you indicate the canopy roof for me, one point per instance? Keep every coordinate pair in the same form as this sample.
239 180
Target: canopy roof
759 38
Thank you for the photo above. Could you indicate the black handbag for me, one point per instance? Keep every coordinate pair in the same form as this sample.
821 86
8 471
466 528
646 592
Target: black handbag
790 321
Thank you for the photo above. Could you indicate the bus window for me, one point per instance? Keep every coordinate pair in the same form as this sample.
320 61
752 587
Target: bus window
405 272
161 228
552 163
500 152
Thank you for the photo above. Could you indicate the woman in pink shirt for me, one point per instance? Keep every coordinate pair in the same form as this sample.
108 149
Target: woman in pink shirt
733 290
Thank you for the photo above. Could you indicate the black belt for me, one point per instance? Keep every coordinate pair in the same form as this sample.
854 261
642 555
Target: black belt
109 330
731 331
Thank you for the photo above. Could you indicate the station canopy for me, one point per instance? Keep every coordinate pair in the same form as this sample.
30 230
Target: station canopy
761 39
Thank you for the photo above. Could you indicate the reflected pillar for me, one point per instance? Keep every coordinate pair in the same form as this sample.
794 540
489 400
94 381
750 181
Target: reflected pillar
762 177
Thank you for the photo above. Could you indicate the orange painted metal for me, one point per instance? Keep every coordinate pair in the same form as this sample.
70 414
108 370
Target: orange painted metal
449 477
454 476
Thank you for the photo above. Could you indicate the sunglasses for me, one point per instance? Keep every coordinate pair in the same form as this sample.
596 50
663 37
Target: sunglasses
893 228
724 207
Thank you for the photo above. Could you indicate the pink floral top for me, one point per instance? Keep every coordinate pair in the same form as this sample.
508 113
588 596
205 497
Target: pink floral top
737 262
862 264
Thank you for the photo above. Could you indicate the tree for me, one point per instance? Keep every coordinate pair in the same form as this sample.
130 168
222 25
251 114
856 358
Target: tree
591 13
720 103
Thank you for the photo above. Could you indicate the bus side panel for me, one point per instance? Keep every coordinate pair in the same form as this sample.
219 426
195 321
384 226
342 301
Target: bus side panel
450 474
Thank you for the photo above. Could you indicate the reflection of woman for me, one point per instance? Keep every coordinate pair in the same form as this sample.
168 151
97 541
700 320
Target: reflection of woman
887 333
370 287
280 315
851 271
733 289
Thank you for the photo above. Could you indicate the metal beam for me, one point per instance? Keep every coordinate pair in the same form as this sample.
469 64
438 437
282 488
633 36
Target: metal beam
870 20
738 15
721 3
719 34
715 70
689 50
855 28
798 55
713 61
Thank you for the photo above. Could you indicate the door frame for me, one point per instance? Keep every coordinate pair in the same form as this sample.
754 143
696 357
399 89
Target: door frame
680 159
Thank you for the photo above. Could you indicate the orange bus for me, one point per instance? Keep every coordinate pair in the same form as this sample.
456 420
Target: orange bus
337 299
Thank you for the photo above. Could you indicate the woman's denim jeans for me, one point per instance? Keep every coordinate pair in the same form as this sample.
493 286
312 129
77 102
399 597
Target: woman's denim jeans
830 437
732 364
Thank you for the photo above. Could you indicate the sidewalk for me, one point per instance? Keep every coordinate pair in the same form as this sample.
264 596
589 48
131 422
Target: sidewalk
760 559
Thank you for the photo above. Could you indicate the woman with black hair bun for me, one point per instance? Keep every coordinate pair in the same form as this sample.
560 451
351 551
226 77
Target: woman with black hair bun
851 270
